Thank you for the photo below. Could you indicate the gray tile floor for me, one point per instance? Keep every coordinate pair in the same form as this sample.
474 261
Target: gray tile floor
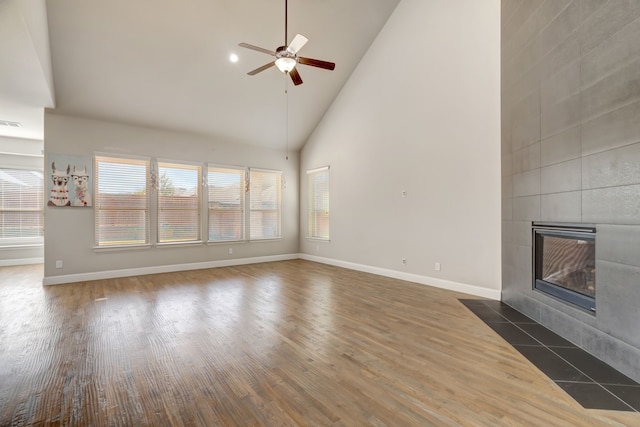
591 382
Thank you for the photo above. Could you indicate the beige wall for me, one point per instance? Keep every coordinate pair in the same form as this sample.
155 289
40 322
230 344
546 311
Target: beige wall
421 114
69 234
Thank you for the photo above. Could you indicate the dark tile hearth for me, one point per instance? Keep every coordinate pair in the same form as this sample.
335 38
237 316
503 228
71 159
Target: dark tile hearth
590 381
513 334
593 396
551 364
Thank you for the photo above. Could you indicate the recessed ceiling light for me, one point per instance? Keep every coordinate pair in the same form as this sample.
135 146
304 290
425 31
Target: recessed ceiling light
233 58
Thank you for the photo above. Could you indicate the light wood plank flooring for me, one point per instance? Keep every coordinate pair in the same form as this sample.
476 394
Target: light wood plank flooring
276 344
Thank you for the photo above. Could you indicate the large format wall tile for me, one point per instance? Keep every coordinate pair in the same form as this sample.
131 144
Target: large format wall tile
612 168
611 350
561 207
561 147
612 92
561 177
613 205
619 244
612 130
526 208
621 48
618 291
527 158
526 183
522 233
561 116
526 122
562 85
607 21
571 126
561 323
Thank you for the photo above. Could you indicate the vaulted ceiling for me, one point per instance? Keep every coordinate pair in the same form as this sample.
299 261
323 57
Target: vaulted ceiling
165 63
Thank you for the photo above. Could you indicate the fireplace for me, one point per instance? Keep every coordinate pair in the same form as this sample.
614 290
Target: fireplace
564 262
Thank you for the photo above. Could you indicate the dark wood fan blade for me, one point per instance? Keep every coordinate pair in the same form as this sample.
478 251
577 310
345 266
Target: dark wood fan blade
259 49
260 69
317 63
295 76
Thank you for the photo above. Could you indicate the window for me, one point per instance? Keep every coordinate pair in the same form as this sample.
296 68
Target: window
21 206
226 204
122 201
318 203
265 192
178 202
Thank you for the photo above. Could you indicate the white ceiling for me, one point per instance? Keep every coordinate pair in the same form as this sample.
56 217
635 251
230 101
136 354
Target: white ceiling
165 63
25 68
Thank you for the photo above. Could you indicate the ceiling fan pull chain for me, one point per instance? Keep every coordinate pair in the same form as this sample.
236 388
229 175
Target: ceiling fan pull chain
286 107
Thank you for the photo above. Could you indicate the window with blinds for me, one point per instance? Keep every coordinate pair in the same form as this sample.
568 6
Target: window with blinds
264 204
21 206
178 202
122 201
226 204
318 203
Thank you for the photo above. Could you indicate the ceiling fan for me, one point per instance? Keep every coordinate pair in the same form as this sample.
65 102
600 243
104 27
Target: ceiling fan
287 56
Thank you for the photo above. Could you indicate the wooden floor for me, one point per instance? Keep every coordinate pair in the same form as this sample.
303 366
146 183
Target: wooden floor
277 344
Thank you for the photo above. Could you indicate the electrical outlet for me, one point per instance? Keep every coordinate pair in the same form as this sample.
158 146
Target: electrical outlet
230 251
59 263
404 261
437 266
317 248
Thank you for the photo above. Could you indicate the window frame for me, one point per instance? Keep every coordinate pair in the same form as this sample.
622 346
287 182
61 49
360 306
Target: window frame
242 172
312 210
198 205
252 198
98 206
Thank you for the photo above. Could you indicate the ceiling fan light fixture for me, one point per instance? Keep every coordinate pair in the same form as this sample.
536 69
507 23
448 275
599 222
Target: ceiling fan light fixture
285 64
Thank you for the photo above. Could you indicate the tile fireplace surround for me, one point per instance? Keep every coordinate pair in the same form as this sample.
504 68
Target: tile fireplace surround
570 153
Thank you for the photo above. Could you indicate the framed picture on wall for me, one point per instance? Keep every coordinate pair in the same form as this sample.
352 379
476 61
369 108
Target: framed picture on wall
70 181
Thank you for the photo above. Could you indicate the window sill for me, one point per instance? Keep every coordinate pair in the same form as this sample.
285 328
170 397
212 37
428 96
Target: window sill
120 248
223 242
318 239
179 244
13 246
268 239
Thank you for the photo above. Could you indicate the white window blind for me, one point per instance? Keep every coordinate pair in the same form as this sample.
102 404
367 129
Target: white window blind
21 206
122 201
318 203
226 204
178 202
265 210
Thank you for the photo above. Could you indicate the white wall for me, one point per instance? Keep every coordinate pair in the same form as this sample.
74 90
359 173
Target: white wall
69 232
421 114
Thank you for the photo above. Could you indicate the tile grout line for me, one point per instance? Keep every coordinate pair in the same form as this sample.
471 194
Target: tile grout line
548 348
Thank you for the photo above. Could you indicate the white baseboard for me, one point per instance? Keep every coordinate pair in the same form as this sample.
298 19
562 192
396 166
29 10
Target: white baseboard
424 280
493 294
22 261
112 274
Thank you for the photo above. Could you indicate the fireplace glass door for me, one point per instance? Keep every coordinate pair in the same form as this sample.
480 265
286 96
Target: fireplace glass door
565 267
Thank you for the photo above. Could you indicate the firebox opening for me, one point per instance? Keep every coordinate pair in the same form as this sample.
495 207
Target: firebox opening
564 262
